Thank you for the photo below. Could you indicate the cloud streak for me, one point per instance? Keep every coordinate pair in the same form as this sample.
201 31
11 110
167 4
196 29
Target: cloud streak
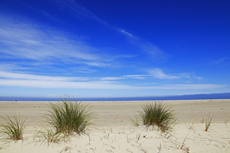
219 60
159 74
144 45
126 33
22 40
10 75
73 7
36 81
26 41
139 77
101 85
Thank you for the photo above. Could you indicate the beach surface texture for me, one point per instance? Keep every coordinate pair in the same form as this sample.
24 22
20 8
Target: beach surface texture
113 131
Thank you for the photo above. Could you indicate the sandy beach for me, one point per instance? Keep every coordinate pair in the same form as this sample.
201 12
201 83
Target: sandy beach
113 130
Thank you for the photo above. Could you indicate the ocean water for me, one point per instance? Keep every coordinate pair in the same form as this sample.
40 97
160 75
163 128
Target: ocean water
180 97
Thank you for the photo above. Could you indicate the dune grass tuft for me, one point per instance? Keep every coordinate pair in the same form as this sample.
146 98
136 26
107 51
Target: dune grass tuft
208 122
13 127
69 117
49 136
156 114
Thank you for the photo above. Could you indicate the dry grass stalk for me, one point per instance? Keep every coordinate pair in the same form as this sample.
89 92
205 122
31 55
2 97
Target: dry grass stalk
208 122
69 117
156 115
13 127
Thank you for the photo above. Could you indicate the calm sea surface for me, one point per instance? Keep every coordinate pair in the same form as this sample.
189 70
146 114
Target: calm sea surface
182 97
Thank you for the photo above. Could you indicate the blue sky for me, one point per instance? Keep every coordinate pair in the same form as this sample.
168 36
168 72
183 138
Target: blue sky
127 48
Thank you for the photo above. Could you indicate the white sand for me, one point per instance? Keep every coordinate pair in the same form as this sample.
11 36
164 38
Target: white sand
114 132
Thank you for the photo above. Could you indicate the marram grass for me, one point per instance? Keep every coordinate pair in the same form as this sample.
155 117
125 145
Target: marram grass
156 114
13 127
208 122
49 136
68 117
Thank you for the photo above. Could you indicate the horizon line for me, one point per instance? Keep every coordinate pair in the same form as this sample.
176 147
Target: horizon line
167 97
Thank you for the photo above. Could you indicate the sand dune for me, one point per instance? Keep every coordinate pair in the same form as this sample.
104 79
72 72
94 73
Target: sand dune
113 131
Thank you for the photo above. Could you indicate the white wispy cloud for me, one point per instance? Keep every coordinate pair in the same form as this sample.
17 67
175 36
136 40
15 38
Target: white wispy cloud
62 84
76 9
111 78
126 33
23 40
188 86
23 76
219 60
152 50
139 77
29 42
159 74
101 85
97 64
144 45
38 81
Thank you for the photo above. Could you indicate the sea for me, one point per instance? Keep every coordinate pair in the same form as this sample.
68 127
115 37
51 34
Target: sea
176 97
